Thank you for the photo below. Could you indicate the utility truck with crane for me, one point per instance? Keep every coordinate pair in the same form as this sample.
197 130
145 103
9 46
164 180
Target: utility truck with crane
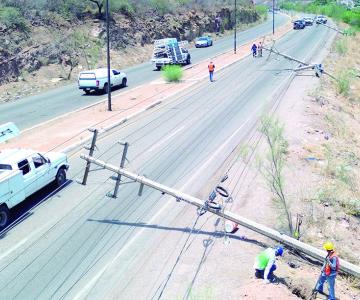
170 51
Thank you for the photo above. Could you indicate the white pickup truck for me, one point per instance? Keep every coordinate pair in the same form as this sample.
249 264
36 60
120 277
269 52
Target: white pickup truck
24 172
97 80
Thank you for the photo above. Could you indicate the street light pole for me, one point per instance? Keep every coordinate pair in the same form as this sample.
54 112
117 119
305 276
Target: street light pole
235 29
108 54
273 13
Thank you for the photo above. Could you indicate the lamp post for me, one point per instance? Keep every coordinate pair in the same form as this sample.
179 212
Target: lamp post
235 30
108 54
273 13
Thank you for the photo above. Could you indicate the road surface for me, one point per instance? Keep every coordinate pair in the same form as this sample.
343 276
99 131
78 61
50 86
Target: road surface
83 244
33 110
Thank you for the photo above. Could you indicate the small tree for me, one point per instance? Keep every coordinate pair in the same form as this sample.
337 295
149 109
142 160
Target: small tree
272 167
68 53
100 5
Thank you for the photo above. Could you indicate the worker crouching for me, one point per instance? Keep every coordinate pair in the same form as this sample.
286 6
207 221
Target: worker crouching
265 263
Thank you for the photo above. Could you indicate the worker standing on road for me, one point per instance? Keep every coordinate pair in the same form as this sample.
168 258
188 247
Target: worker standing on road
329 271
260 48
211 68
265 263
254 50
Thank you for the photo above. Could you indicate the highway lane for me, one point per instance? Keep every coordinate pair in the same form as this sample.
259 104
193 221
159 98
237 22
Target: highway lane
33 110
82 243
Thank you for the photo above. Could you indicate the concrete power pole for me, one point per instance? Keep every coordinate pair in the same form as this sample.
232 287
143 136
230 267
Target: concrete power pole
235 28
266 231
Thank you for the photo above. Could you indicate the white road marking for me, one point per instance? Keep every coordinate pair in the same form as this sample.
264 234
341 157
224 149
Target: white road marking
87 288
161 142
23 241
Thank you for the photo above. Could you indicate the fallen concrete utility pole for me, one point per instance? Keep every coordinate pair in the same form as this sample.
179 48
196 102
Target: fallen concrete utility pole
272 50
317 67
266 231
333 28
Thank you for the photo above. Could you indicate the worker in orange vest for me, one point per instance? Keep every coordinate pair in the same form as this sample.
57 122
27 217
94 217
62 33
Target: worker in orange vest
211 68
329 271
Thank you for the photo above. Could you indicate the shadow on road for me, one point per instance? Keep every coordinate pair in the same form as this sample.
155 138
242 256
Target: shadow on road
23 211
216 234
101 93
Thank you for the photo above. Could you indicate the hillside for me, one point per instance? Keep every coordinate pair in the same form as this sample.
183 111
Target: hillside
69 35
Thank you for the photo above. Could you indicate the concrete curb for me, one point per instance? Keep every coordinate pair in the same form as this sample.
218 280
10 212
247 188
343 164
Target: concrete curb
110 127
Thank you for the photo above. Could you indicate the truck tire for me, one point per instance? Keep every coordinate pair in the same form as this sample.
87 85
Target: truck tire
106 88
188 60
158 68
124 82
87 92
4 216
60 178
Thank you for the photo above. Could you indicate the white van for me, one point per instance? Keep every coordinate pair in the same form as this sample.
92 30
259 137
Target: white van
23 172
97 80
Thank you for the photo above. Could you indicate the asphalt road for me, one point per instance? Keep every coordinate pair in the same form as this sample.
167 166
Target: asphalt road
82 244
33 110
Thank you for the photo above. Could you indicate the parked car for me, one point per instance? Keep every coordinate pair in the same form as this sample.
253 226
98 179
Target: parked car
23 172
321 19
97 80
308 21
204 41
299 24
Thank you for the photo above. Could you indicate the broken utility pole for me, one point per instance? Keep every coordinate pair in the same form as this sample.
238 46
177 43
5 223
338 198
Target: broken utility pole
319 70
91 152
122 164
266 231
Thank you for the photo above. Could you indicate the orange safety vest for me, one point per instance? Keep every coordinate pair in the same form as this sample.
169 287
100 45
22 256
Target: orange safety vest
327 266
211 67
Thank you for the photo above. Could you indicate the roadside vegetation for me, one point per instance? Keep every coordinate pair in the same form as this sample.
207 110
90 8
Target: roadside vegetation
329 8
272 165
172 73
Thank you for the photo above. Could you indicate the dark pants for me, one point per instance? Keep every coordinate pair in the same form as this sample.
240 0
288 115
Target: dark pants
331 282
211 74
260 273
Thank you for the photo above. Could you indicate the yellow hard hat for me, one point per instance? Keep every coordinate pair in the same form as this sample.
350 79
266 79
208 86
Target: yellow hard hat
328 246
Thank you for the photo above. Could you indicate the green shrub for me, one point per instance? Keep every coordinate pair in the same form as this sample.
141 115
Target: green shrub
11 17
123 6
172 73
161 6
343 82
341 47
261 10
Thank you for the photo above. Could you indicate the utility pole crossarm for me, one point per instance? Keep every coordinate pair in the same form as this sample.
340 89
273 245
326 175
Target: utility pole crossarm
263 230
